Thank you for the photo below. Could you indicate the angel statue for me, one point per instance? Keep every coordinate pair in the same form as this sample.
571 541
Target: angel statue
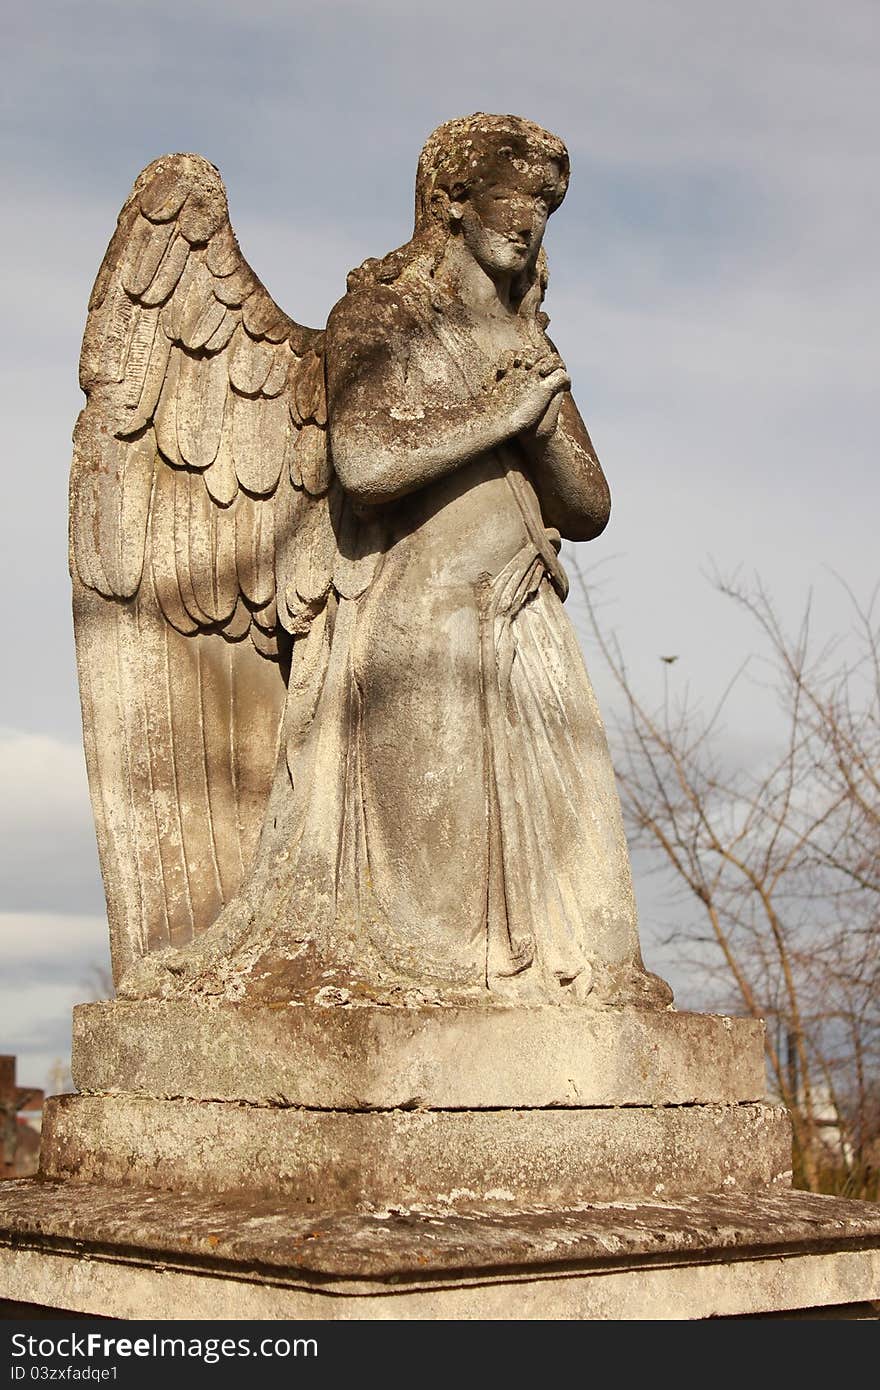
340 738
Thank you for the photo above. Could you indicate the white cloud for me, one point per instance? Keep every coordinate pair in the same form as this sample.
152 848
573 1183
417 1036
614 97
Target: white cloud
44 782
48 963
48 858
46 940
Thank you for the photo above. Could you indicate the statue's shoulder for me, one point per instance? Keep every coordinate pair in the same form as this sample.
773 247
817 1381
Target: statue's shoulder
376 314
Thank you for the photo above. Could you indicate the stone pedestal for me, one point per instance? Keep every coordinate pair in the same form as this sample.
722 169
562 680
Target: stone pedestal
341 1161
130 1253
368 1057
356 1108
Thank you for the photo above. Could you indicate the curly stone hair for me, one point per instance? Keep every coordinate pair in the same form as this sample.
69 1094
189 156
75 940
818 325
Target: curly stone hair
459 154
456 158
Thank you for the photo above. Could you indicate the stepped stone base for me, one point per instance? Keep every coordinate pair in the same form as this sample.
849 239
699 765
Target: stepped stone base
346 1161
354 1108
128 1253
433 1058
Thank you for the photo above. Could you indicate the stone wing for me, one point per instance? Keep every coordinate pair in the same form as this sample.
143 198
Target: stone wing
202 544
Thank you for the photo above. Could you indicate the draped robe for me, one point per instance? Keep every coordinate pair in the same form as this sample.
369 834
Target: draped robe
445 815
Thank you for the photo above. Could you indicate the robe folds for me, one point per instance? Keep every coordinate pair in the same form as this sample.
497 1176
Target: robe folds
445 814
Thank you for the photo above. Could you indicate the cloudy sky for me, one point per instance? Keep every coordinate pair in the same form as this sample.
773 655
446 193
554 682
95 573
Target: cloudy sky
714 290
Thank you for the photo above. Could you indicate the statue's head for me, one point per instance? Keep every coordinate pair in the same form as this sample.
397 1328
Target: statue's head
493 180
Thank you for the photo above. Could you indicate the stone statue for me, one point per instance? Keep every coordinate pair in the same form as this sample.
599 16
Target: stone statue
340 739
385 1045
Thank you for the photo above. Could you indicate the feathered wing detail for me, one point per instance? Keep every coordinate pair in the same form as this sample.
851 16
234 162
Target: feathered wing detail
202 508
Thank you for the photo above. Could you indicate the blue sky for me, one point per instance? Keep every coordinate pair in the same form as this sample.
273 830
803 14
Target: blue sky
714 289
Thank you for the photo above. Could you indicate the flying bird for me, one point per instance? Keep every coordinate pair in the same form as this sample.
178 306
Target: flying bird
669 659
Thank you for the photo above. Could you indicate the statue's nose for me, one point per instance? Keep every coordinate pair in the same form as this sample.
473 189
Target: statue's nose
528 220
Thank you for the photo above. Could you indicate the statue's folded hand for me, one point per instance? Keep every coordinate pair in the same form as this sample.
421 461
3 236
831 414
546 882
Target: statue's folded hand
549 362
524 394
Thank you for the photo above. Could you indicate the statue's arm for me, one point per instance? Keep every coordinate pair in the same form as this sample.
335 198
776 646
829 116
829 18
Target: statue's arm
567 475
388 438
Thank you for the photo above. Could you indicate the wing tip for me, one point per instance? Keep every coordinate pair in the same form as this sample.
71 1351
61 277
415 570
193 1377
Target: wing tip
168 183
176 162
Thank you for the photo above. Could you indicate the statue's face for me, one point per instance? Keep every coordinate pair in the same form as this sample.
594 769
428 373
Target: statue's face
503 220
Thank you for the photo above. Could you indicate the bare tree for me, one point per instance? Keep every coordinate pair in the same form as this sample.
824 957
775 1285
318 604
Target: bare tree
780 868
99 983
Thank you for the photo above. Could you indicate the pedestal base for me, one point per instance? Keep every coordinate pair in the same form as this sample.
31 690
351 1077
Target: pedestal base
124 1253
231 1161
331 1160
368 1057
347 1108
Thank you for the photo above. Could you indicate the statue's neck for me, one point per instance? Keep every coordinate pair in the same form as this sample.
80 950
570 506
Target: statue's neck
484 295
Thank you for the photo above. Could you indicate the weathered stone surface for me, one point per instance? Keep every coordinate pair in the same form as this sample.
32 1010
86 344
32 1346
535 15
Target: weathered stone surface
352 1058
366 871
336 1160
131 1253
379 507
